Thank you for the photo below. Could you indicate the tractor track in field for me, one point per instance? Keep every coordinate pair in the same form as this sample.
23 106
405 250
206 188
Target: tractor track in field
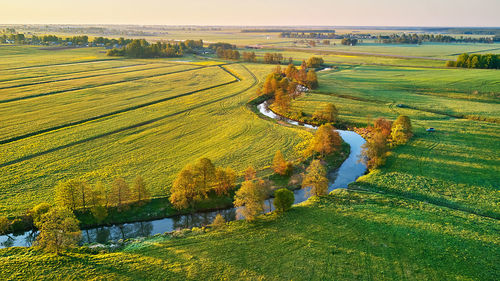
83 77
61 64
78 122
137 125
72 72
97 86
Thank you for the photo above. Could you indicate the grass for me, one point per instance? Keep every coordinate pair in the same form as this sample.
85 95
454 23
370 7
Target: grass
457 166
155 141
345 236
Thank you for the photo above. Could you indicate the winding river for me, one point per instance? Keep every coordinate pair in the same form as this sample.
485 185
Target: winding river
348 172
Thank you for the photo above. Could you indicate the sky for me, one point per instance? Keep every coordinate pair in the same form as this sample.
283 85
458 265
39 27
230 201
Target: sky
254 12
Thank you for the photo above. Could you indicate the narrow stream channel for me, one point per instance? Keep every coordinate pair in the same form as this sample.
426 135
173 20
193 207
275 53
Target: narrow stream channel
348 172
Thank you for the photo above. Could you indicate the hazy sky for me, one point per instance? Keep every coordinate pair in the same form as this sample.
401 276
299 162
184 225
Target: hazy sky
255 12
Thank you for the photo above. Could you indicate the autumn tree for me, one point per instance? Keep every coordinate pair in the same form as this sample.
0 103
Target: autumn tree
325 141
401 130
249 56
280 165
58 230
225 179
375 150
249 199
204 174
383 126
184 192
315 179
282 100
140 192
328 114
283 200
312 79
291 71
250 173
120 192
315 62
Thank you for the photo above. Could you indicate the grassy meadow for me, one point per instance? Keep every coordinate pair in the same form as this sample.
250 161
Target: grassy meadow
456 166
344 236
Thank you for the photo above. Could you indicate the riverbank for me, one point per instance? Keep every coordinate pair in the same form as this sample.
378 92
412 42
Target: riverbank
160 214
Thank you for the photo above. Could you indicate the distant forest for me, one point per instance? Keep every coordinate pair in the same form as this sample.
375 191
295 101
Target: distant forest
420 38
140 48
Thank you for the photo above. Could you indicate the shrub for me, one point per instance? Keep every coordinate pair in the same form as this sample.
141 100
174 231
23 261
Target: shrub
283 200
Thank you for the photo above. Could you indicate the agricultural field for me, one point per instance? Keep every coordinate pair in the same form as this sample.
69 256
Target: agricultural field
431 212
429 49
344 236
456 166
146 117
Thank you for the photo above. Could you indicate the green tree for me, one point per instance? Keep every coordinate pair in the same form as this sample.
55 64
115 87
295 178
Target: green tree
38 211
328 114
58 230
315 179
69 194
219 221
249 199
99 212
283 200
4 225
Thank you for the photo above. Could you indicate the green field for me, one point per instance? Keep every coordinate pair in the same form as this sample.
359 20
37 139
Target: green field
457 166
351 236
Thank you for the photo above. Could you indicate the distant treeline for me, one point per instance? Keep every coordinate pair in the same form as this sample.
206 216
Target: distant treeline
315 35
140 48
488 61
287 30
349 41
419 38
83 40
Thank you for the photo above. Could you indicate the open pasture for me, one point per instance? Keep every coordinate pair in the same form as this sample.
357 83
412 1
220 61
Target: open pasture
457 166
342 237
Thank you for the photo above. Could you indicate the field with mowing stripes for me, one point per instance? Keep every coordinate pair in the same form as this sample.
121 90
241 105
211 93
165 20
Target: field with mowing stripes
123 118
456 166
